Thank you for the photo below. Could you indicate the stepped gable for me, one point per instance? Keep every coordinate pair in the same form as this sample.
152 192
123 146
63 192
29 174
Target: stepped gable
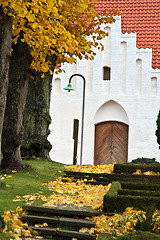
142 17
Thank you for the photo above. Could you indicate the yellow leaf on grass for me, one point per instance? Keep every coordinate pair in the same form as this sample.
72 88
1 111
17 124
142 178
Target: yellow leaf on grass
138 172
149 173
128 210
84 230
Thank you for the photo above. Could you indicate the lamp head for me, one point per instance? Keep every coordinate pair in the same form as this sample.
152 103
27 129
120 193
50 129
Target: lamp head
69 88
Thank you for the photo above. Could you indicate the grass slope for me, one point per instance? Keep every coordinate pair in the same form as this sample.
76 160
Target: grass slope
28 181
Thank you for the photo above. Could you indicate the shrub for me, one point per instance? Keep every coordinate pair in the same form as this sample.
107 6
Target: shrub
144 160
140 186
158 129
139 192
120 202
129 168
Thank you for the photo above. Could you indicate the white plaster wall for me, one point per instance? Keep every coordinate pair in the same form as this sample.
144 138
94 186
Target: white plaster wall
109 111
139 109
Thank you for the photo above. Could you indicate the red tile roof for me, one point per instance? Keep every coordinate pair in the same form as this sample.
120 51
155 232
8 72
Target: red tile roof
142 17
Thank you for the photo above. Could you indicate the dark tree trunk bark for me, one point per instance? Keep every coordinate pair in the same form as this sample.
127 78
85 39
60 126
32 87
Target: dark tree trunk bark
37 117
5 53
16 98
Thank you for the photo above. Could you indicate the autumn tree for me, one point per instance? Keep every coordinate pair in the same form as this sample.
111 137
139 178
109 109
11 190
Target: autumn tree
43 28
37 118
157 132
5 53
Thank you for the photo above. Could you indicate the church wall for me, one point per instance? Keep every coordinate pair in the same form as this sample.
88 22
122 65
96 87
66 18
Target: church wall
133 85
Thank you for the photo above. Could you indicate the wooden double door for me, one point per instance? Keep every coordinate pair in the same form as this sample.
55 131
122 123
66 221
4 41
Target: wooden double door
111 142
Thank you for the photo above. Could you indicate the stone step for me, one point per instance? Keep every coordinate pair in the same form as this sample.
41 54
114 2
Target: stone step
104 177
32 210
97 183
98 179
55 232
86 174
40 219
34 238
76 222
61 221
155 179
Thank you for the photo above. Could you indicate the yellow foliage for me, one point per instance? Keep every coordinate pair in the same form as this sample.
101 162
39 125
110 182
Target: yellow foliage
138 172
119 224
14 225
77 193
58 27
150 173
9 176
91 169
67 191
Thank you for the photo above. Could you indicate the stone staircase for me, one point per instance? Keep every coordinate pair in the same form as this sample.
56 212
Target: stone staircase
104 178
61 224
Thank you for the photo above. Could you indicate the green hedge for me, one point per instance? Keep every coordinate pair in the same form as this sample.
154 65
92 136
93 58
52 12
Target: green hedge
114 202
115 187
138 192
119 203
140 186
129 168
138 235
144 160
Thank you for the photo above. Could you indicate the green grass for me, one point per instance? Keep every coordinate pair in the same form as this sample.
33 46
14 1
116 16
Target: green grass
5 236
28 181
131 236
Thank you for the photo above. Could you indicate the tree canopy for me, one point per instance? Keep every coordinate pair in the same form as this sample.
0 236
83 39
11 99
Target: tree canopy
58 27
44 33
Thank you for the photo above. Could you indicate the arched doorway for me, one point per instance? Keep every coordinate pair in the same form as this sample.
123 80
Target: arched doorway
111 142
111 134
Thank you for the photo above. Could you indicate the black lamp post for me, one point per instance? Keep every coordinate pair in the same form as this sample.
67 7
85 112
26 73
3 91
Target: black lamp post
69 88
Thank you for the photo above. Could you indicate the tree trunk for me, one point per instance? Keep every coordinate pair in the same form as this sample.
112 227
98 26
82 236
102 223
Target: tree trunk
37 118
16 98
5 53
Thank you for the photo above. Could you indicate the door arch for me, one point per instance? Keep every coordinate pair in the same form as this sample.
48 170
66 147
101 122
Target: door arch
111 134
111 142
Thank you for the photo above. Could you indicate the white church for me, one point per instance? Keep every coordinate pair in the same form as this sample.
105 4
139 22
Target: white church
122 101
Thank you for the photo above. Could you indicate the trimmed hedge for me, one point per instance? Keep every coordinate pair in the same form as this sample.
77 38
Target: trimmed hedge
144 160
119 203
139 193
115 187
130 168
140 186
139 235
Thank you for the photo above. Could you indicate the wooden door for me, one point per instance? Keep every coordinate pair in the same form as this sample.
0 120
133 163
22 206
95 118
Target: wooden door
111 142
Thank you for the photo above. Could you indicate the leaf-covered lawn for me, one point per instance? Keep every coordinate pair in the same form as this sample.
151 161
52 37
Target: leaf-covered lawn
66 192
